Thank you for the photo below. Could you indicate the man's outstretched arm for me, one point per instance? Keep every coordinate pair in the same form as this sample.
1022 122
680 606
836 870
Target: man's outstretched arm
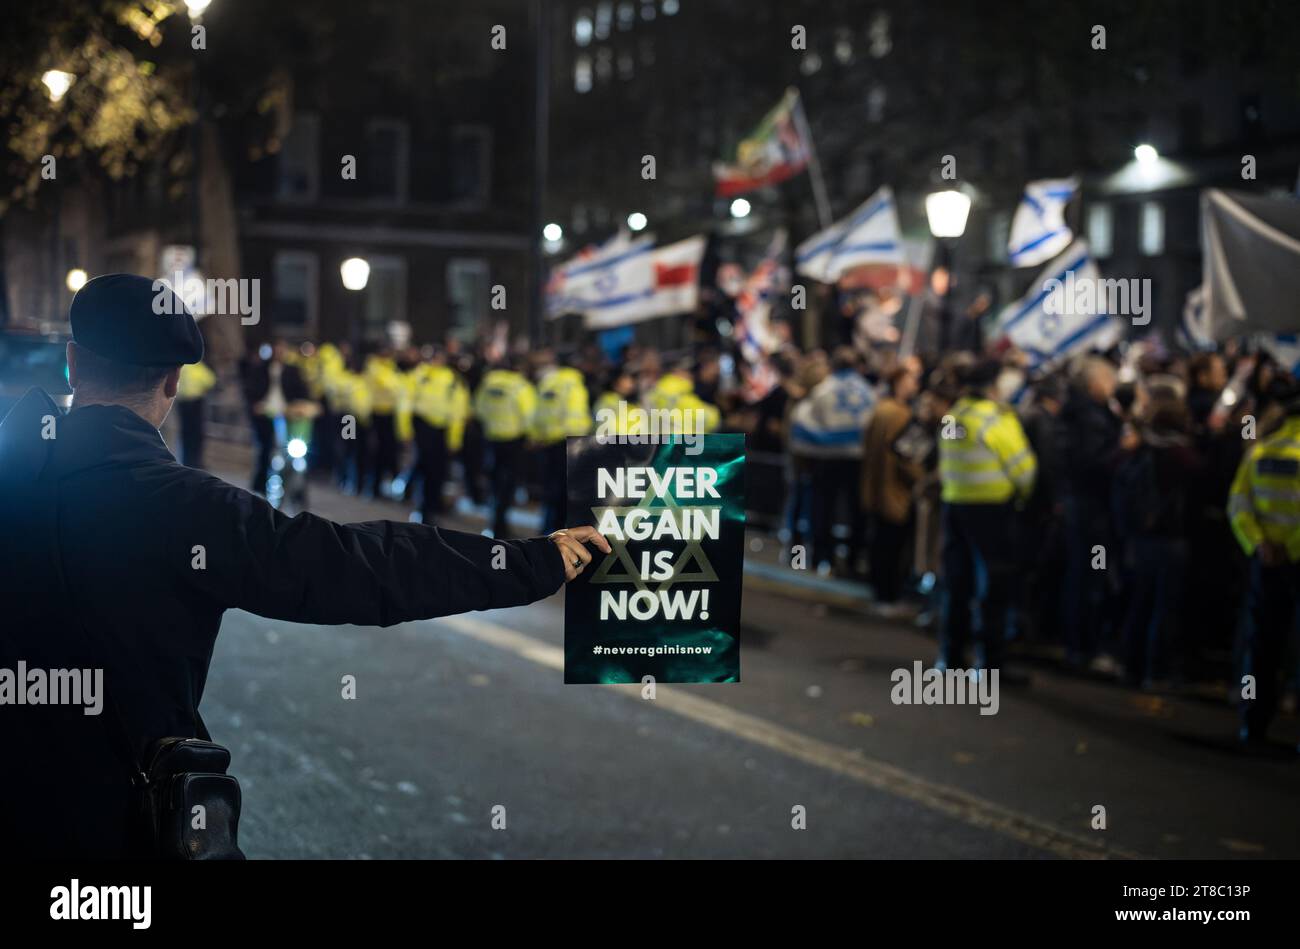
312 570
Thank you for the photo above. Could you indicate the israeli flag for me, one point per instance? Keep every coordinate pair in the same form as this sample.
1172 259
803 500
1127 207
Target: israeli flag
869 235
610 284
1063 313
1194 331
1038 230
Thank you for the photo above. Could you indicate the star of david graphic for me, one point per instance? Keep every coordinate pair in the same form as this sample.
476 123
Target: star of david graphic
694 552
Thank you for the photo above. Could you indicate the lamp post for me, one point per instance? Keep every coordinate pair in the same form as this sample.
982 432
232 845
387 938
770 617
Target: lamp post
355 272
57 83
946 212
196 9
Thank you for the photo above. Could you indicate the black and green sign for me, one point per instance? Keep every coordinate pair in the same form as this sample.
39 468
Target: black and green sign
666 602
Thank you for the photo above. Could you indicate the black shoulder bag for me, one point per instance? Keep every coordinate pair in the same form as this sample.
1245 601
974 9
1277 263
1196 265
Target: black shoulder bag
187 806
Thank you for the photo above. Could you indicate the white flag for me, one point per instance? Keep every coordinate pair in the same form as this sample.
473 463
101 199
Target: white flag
869 235
615 277
1063 311
671 285
1039 231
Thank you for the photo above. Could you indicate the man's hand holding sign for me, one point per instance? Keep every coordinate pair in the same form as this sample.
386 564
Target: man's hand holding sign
572 542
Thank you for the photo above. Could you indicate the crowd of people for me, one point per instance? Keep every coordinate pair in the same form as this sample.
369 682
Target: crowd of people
1105 510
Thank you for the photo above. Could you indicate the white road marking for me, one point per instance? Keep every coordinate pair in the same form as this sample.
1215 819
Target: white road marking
951 801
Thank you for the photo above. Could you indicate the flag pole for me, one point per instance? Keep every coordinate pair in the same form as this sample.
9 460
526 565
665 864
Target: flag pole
814 165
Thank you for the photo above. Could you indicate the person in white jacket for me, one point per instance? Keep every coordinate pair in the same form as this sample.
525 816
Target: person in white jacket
827 427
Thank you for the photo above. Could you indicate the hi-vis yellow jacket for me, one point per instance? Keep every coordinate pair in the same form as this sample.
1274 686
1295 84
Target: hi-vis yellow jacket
563 407
196 381
385 383
318 369
349 394
505 403
678 392
1264 502
441 399
984 457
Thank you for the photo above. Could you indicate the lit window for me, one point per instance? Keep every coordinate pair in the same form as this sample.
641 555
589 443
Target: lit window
468 289
879 32
582 29
1151 234
1101 228
582 74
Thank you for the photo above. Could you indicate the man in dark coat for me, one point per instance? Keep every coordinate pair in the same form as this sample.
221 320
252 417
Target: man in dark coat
115 557
1092 431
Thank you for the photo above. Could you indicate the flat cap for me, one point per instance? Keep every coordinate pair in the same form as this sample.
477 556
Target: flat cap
134 320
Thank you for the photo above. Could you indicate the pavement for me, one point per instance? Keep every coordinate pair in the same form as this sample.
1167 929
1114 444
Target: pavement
464 723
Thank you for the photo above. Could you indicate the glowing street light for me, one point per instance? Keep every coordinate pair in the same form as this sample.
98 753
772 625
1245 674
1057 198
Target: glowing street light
637 221
553 232
355 272
1146 155
740 208
57 83
946 212
76 279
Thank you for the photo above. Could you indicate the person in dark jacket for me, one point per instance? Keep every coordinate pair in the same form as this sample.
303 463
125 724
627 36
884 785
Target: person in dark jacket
270 383
1044 553
117 558
1092 432
1152 478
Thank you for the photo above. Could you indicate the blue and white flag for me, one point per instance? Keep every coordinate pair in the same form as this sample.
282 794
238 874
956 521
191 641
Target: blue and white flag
869 235
614 281
1194 330
1063 312
1285 348
1039 231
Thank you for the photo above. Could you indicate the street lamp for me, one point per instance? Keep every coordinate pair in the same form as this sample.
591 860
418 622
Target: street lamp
57 83
553 232
946 212
636 221
1146 155
76 279
355 272
740 208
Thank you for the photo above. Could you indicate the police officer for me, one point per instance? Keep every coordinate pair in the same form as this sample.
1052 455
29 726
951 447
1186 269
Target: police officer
504 403
1264 508
440 405
196 381
674 391
563 409
385 382
119 558
986 467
